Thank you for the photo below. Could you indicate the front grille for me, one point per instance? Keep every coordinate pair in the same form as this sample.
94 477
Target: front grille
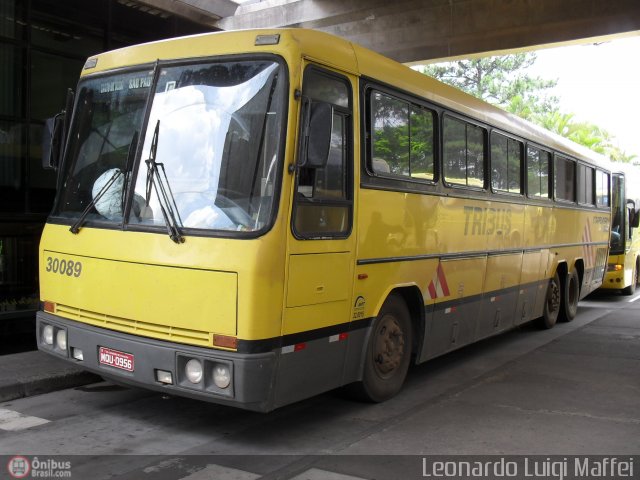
136 327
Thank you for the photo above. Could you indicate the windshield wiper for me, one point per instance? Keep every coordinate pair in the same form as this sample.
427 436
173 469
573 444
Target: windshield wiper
160 183
75 228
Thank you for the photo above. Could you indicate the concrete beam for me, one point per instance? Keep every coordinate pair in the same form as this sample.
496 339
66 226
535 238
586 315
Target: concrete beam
205 12
415 30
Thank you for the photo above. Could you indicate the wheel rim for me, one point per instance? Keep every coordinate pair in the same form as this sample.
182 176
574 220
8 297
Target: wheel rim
388 349
553 299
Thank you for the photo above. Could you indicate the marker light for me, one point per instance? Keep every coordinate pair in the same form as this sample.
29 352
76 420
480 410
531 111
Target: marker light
77 354
61 339
49 307
225 341
47 334
221 376
268 39
193 371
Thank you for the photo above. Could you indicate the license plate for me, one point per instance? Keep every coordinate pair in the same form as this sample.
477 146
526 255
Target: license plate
116 359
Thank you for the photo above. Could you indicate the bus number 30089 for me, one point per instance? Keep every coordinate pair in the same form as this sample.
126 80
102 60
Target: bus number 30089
64 267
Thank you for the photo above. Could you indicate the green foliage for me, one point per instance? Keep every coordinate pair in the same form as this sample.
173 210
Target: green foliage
503 81
584 133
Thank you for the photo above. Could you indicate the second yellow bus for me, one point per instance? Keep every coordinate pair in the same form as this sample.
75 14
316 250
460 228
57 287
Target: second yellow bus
623 266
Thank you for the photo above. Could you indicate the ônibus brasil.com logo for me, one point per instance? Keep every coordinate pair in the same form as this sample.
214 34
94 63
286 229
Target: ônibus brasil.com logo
19 467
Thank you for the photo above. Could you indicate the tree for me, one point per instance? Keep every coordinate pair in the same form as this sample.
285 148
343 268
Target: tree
503 81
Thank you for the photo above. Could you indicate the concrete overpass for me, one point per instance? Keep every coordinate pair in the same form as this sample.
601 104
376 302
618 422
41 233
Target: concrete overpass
417 30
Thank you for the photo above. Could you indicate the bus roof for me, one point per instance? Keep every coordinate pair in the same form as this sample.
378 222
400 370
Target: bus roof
342 54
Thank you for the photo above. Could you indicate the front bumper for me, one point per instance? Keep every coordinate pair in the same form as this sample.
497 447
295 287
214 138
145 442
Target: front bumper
252 374
613 280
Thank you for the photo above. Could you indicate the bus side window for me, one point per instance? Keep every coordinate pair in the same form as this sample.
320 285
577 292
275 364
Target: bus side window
464 153
538 168
585 185
322 204
402 138
322 191
565 179
506 164
602 189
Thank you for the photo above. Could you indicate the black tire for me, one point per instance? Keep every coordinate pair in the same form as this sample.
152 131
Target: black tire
552 303
388 353
631 289
570 296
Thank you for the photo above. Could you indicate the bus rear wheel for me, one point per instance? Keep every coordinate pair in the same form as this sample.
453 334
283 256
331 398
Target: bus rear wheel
388 352
551 303
570 296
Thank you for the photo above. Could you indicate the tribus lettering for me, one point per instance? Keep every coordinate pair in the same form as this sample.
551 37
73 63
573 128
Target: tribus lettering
487 221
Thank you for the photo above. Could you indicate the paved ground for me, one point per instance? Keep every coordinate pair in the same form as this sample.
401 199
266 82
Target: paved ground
572 390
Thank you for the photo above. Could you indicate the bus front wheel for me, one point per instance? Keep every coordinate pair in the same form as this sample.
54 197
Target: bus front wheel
570 296
388 352
551 303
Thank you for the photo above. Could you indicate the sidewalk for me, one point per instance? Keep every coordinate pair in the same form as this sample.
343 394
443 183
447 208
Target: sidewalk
33 373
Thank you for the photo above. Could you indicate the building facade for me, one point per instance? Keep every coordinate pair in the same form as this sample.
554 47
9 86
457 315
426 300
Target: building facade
43 46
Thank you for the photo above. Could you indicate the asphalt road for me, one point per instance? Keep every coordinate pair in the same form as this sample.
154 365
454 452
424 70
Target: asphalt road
572 390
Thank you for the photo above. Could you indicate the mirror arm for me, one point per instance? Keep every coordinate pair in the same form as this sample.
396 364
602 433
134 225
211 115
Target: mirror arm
305 121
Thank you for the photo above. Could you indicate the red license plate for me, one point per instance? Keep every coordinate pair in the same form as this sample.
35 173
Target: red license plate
116 359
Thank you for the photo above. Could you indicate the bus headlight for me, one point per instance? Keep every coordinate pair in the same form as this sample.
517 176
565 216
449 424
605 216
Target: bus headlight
47 334
221 376
61 339
193 371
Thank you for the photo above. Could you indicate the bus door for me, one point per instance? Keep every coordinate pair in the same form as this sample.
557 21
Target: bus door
321 245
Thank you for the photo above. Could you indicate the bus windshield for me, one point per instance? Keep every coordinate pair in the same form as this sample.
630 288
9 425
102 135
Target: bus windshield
212 136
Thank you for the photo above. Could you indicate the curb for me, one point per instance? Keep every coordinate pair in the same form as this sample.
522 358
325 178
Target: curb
34 373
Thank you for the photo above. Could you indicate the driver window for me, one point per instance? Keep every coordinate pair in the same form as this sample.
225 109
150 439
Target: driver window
322 204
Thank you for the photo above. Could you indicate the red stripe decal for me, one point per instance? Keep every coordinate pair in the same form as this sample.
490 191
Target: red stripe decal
432 291
443 280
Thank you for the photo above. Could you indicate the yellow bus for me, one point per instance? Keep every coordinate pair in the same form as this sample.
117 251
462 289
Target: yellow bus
624 252
254 217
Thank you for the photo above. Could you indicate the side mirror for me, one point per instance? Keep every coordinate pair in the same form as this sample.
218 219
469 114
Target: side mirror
634 216
55 134
52 141
318 123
